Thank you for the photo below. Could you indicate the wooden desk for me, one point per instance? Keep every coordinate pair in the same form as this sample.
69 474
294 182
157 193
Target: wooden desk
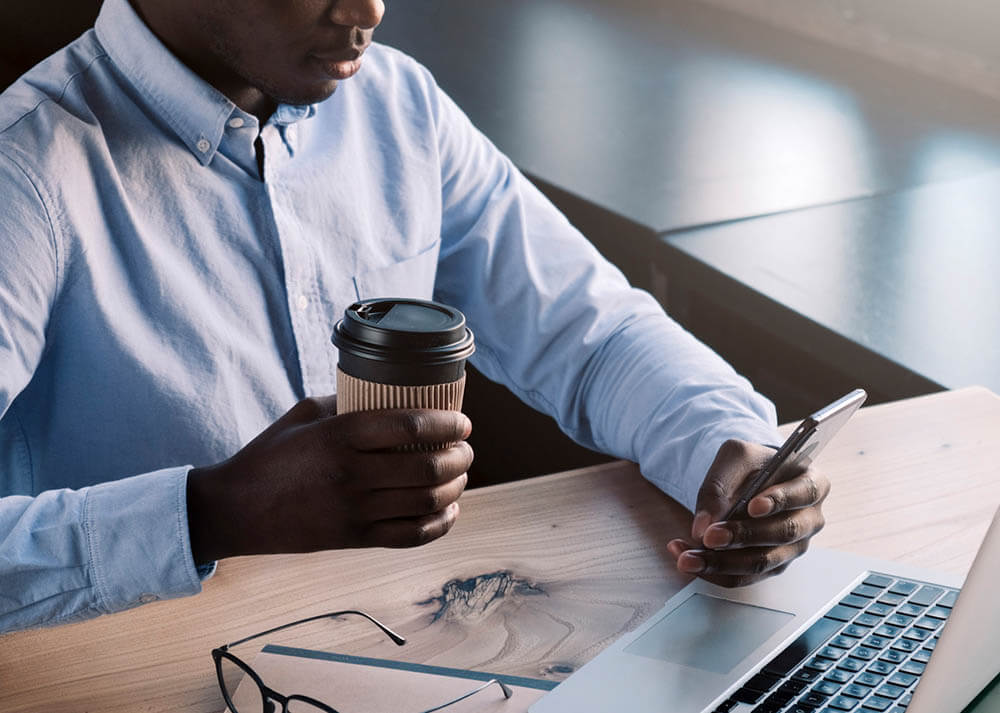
536 578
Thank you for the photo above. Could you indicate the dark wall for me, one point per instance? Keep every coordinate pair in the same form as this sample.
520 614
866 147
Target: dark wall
31 30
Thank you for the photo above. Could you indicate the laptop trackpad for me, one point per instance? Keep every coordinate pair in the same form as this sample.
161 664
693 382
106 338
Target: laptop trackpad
709 633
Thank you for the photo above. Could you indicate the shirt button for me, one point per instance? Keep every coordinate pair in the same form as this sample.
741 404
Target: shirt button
302 302
203 145
235 123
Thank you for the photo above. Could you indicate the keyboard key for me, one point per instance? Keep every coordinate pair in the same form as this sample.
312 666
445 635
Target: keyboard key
906 645
878 609
911 609
904 587
838 676
868 620
876 703
812 699
826 688
810 640
778 699
831 652
892 600
929 623
878 580
890 691
914 667
843 642
851 664
888 631
856 690
948 600
762 682
939 612
853 600
914 634
858 632
882 667
841 613
818 664
866 590
922 656
930 645
926 596
793 687
869 679
900 620
893 656
807 674
902 679
745 695
843 703
876 642
864 653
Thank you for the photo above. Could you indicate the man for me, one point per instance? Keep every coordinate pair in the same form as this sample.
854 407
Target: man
193 193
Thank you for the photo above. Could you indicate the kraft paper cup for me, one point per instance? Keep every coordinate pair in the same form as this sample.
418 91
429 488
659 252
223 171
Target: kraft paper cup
401 353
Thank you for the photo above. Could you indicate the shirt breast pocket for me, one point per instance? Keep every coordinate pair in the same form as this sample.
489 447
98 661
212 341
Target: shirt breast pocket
410 277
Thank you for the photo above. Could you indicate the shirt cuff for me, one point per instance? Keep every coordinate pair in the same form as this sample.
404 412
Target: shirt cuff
138 541
685 489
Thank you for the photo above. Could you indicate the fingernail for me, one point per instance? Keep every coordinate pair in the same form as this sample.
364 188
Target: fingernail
701 522
690 563
761 506
718 536
676 548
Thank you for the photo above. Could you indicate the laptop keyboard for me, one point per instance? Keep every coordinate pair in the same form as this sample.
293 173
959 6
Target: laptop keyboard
865 655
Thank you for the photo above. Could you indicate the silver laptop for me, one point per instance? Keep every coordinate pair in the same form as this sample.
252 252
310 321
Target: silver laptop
835 632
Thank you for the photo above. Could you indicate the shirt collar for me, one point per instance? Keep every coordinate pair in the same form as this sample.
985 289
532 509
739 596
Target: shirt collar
194 109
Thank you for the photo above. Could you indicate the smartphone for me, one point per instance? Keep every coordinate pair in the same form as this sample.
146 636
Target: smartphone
800 448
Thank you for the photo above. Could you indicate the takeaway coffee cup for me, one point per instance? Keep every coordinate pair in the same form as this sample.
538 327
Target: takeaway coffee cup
401 353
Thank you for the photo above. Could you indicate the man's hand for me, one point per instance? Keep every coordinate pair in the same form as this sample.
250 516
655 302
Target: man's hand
315 481
782 519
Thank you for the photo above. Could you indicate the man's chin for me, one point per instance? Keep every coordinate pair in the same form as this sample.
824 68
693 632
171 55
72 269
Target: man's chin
303 97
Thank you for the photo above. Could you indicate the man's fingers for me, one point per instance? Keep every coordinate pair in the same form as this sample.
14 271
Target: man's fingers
412 469
806 490
734 463
781 529
739 567
392 428
411 502
410 532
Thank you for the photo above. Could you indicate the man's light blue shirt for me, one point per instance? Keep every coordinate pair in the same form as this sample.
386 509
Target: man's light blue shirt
162 301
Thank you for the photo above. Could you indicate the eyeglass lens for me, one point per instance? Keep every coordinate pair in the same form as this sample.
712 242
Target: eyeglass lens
249 699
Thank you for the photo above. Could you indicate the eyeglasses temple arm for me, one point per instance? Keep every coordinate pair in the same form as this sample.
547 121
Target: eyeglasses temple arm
507 693
397 639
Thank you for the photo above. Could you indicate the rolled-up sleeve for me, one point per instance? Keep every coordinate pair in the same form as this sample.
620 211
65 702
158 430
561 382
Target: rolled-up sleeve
562 328
73 554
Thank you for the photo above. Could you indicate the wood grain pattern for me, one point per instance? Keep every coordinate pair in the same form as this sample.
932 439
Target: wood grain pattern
535 579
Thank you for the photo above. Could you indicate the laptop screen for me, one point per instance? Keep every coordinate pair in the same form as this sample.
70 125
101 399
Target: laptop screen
962 674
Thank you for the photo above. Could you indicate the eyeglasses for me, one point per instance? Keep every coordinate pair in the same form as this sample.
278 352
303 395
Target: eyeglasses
266 700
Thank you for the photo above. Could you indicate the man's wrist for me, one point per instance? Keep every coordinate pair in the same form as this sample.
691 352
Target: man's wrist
204 510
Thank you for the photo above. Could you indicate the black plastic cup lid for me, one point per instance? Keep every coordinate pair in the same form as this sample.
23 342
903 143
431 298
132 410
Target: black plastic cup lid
403 341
